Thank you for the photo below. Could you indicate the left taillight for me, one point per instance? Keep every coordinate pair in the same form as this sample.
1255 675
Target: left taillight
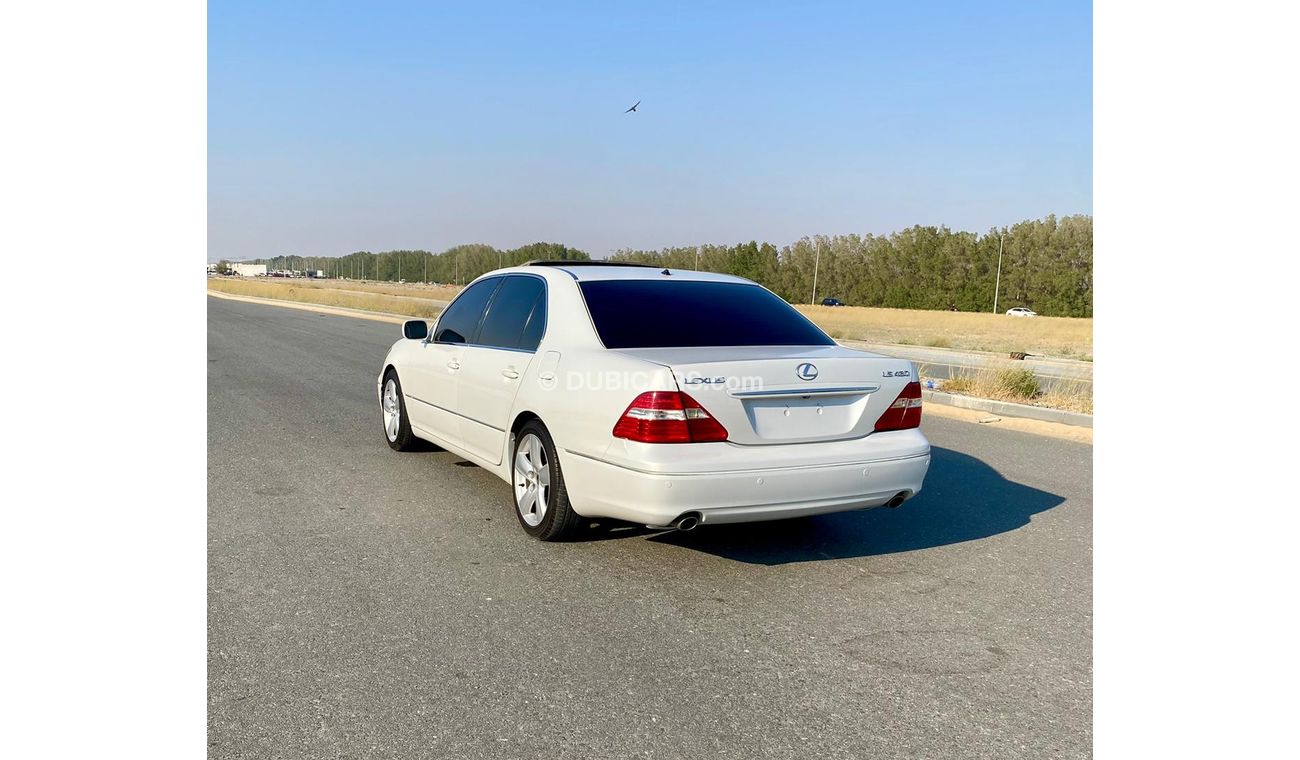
905 412
668 417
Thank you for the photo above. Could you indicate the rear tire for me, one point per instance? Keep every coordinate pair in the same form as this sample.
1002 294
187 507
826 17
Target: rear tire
541 499
392 405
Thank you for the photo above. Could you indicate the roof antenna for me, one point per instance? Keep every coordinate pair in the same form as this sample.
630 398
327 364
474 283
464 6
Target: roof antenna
665 271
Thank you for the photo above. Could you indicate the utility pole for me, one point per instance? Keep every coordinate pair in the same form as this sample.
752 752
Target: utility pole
399 267
816 263
697 258
997 284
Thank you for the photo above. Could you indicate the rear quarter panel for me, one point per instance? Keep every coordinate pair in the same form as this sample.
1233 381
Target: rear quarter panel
582 398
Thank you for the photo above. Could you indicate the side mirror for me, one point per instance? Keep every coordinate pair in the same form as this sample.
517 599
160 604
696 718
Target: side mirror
415 329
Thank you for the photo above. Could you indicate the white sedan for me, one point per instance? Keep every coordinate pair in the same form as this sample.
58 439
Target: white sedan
1021 311
670 398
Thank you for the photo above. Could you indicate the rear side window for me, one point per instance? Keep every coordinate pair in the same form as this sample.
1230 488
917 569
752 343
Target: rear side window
510 312
536 325
666 313
460 321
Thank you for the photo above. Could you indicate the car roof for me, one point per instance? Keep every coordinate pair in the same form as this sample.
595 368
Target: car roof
590 271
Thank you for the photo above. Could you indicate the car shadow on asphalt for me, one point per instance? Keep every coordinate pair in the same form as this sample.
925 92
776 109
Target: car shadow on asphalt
963 500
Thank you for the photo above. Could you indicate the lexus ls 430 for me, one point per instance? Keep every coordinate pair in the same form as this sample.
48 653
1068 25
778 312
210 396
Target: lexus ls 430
669 398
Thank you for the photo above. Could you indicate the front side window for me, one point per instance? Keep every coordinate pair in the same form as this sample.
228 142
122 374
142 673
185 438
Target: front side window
510 314
459 322
686 313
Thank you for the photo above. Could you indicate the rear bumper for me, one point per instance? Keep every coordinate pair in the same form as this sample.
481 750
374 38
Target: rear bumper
598 488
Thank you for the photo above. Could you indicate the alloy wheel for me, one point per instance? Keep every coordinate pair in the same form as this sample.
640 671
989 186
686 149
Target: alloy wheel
532 480
392 410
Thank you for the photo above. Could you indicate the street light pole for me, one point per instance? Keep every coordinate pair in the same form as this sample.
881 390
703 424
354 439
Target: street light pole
816 264
997 284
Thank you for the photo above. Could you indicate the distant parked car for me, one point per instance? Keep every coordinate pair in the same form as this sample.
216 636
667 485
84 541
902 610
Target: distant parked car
1021 311
832 302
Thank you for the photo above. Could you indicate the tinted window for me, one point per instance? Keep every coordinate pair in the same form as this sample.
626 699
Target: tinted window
459 322
657 313
509 312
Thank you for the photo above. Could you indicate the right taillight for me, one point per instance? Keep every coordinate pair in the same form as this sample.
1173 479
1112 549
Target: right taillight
668 417
905 412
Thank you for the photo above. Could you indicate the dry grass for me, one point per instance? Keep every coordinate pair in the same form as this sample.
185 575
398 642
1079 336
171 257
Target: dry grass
298 290
1019 385
1042 336
1072 397
409 289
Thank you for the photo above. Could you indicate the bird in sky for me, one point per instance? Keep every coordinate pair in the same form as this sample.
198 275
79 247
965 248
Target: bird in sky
633 108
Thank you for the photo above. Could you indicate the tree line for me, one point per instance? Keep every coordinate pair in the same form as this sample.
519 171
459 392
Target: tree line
457 265
1046 266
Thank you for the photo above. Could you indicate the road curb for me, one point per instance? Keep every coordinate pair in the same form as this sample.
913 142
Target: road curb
338 311
1008 409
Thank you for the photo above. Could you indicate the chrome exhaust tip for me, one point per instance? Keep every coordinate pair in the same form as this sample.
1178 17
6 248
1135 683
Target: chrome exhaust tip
897 500
688 521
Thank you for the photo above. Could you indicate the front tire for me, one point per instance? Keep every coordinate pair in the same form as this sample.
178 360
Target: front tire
541 499
397 426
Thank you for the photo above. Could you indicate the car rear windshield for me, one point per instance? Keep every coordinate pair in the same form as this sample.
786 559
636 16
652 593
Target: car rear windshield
666 313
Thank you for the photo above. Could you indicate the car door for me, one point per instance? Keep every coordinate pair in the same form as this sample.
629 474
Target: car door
494 366
432 390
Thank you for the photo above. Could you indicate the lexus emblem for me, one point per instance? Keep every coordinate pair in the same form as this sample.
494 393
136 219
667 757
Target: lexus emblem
806 371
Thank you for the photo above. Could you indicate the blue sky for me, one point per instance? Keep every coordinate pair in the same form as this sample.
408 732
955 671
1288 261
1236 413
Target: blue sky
336 127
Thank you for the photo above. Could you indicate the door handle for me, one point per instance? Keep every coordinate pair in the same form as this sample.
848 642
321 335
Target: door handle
453 364
510 373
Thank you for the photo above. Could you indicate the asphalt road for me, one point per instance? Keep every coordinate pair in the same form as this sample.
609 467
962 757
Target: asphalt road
366 603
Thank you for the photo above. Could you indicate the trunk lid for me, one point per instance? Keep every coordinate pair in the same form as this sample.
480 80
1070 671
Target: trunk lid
786 394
